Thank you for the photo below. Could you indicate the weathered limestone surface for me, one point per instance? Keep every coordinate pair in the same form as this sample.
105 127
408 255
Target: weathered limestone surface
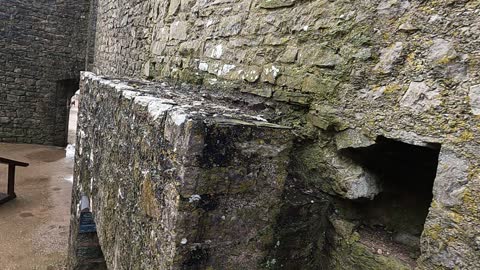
352 71
42 44
177 178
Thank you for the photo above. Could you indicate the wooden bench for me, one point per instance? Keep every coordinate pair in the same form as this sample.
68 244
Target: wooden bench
10 195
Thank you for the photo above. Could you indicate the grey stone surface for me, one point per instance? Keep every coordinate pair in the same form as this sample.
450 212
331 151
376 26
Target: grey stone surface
322 166
388 57
352 138
452 176
474 96
420 97
441 50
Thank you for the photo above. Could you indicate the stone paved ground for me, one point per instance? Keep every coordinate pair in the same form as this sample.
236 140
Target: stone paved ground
34 227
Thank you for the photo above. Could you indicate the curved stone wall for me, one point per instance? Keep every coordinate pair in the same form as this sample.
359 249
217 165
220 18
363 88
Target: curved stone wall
42 50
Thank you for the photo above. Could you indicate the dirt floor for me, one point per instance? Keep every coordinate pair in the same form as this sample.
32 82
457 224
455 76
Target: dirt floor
34 227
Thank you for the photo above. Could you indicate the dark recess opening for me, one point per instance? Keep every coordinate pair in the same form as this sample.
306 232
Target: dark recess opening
405 175
63 94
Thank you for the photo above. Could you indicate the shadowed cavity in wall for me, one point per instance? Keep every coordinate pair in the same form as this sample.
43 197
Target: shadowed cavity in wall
405 174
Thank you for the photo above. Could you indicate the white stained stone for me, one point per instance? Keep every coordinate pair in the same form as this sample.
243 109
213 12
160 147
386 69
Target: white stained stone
157 109
363 54
388 57
156 106
434 18
178 30
419 97
225 69
158 47
217 51
407 27
203 66
474 97
362 185
144 100
393 6
270 73
146 69
354 181
159 42
251 74
130 94
194 198
178 117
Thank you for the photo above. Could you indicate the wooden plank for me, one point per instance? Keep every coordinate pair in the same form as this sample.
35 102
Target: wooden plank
13 162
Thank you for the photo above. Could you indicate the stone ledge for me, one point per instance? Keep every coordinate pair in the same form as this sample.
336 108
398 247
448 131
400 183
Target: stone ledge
181 103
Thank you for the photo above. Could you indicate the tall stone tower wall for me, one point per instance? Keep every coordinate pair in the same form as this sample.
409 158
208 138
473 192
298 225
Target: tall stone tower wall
42 51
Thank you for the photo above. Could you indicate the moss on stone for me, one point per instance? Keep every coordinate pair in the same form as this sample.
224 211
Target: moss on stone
470 202
357 256
392 88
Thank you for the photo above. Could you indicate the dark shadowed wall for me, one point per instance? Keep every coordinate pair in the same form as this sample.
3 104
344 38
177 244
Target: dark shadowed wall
42 50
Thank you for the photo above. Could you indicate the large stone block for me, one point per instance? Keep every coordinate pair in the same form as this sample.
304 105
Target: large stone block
177 180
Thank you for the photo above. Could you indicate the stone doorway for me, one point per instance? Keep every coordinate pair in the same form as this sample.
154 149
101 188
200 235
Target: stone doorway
65 90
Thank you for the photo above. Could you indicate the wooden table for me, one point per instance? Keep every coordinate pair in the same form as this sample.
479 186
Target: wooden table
10 195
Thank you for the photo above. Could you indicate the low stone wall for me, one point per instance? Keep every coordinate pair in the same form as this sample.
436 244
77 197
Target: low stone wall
177 179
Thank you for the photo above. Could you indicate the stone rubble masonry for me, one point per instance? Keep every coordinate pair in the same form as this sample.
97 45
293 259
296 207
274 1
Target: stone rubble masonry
406 70
300 51
157 160
177 179
42 50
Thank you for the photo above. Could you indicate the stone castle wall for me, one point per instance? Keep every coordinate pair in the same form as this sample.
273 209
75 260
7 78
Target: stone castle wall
42 50
352 71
